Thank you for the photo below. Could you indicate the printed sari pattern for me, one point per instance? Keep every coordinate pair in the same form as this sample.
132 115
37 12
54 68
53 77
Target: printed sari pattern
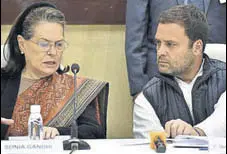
55 95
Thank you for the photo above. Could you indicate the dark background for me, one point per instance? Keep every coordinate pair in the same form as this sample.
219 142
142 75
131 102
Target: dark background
76 11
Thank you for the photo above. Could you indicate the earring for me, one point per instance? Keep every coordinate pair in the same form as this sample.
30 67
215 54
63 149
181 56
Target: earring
22 52
48 52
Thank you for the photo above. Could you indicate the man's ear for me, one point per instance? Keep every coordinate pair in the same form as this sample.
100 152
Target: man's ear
21 43
197 47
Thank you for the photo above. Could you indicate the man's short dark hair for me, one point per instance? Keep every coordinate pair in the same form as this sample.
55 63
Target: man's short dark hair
191 18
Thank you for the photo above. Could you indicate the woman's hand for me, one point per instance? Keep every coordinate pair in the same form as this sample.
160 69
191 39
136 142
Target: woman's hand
50 132
7 121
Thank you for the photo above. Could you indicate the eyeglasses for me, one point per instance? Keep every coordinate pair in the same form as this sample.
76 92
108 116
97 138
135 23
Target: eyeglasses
46 45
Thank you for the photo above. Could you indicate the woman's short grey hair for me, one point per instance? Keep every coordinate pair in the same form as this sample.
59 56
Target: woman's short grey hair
24 25
38 15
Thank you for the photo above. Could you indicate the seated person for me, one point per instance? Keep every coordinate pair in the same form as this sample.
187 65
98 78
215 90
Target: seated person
185 92
33 76
218 128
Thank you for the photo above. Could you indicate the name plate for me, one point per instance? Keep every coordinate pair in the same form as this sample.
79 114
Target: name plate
32 146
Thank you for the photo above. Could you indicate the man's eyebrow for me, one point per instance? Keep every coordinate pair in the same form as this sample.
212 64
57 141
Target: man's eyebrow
170 41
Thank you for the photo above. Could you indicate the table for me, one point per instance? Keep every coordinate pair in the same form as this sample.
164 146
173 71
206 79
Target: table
127 146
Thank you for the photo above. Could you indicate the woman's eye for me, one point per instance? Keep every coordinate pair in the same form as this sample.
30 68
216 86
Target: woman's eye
43 44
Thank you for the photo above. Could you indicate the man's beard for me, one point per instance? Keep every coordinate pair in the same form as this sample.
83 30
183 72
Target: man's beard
184 69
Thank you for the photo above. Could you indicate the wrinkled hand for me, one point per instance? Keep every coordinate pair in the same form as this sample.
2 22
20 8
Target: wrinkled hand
50 132
179 127
7 121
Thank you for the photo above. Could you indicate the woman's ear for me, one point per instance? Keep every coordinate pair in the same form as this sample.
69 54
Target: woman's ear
198 47
21 43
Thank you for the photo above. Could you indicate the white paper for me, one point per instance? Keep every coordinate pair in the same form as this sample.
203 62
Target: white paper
21 138
217 145
190 141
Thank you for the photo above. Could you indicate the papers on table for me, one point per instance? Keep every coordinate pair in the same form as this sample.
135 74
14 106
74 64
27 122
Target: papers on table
186 141
20 138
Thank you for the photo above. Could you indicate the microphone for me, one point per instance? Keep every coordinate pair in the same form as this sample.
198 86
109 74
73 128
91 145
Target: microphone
74 129
158 141
75 68
74 143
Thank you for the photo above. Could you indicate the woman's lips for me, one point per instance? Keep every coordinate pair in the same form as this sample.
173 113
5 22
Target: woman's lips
50 63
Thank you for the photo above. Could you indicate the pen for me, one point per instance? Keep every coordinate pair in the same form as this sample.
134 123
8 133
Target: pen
203 148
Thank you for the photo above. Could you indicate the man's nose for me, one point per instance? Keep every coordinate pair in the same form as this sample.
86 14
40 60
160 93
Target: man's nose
162 50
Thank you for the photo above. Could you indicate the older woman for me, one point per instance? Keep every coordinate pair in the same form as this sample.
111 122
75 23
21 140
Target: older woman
33 76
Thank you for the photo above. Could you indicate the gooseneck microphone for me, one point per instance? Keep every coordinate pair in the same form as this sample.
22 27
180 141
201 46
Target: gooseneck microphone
74 143
75 68
74 129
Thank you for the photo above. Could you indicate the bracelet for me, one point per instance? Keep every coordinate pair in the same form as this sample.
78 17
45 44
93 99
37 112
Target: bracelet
197 131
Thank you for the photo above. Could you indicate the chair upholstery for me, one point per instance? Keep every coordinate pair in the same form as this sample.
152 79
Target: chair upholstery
3 60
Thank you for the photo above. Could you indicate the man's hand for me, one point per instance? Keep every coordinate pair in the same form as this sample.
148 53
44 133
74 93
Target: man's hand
7 121
49 132
179 127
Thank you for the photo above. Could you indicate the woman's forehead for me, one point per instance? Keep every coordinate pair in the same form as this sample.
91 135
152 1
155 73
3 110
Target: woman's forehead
48 30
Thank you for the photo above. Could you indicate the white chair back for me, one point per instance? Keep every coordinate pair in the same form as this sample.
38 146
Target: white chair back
3 60
216 51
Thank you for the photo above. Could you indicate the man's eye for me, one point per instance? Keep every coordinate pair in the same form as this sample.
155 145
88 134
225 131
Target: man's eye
170 44
43 44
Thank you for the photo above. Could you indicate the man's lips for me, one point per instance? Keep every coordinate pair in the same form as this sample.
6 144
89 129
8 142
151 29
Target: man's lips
161 61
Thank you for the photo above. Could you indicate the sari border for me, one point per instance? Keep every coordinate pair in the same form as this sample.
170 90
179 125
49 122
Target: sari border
87 92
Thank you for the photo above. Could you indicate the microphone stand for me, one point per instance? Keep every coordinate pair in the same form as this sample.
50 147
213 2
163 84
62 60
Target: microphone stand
74 143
